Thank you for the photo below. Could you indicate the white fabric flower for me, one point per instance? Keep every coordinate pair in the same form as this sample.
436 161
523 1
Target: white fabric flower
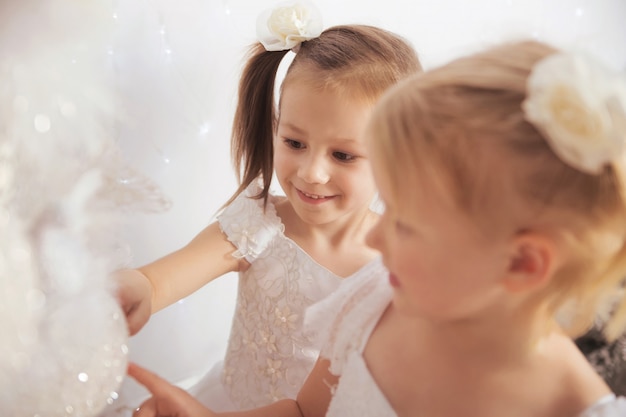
287 25
580 108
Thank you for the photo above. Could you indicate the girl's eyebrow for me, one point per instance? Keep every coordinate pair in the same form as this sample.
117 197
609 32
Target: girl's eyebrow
296 129
293 127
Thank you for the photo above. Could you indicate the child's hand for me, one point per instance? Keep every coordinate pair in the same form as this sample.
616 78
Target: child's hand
134 293
167 399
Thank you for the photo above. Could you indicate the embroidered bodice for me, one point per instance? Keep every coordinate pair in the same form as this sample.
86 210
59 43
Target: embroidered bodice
269 356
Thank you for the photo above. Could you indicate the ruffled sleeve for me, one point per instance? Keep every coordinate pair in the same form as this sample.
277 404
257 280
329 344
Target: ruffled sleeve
248 226
341 323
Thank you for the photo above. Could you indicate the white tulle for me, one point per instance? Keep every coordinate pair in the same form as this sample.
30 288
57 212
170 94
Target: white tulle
63 337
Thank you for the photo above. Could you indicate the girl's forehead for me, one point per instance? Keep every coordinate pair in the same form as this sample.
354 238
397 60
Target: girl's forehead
343 86
302 89
323 112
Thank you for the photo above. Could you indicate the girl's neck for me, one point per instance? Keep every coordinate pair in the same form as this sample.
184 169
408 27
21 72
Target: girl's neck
505 336
339 246
347 229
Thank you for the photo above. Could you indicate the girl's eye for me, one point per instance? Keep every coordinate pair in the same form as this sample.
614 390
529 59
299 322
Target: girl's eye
294 144
344 157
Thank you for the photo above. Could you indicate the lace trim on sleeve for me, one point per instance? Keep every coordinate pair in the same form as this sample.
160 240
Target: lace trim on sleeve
248 226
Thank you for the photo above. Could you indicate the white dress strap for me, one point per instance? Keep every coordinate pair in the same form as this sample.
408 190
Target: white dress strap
342 322
609 406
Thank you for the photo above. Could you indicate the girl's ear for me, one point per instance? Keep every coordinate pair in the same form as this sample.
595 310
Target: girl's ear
534 258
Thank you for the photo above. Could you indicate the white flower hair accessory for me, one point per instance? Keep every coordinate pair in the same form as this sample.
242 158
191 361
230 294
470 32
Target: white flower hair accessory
580 108
288 25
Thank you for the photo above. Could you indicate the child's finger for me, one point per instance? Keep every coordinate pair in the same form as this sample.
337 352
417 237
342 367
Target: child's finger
147 409
148 379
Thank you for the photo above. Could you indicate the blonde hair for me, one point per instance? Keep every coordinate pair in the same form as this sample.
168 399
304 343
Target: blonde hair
461 128
358 61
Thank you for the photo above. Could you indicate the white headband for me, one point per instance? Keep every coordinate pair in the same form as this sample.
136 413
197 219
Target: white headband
288 25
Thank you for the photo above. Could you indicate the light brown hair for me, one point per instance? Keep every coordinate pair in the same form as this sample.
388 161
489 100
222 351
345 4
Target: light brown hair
357 60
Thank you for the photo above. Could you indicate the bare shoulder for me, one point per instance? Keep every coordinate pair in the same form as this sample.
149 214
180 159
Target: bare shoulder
582 387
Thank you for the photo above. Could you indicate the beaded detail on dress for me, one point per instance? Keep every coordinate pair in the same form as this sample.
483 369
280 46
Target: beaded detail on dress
246 225
268 355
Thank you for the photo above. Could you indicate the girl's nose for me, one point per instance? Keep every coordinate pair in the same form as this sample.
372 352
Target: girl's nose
314 170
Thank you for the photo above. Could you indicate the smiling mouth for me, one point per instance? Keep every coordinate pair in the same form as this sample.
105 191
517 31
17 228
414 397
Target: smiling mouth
313 196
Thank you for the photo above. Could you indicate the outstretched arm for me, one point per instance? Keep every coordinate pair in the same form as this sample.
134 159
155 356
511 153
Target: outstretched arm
169 400
152 287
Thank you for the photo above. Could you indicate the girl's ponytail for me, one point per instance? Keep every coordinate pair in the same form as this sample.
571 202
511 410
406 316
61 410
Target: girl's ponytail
254 121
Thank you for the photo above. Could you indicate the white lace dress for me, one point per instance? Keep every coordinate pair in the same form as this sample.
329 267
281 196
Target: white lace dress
268 356
342 324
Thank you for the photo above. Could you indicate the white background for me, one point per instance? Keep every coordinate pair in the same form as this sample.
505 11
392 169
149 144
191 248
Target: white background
177 64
